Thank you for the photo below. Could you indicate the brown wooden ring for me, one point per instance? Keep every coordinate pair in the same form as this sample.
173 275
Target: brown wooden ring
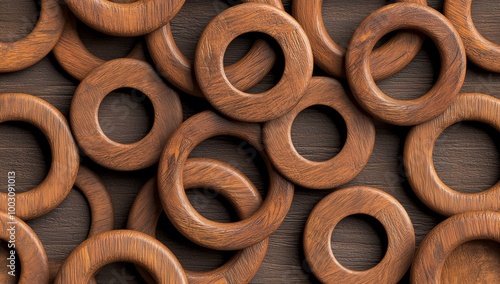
209 62
336 171
230 183
415 17
419 166
112 75
178 70
446 237
359 200
65 160
207 233
121 246
481 51
38 43
386 60
125 19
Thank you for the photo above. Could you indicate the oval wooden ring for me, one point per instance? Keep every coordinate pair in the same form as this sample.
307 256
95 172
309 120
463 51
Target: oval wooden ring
112 75
121 246
336 171
209 62
125 19
419 166
207 233
481 51
359 200
38 43
386 60
65 160
415 17
230 183
446 237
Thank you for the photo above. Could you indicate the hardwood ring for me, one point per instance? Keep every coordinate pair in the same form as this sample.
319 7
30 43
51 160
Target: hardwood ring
359 200
178 70
446 237
38 43
209 62
207 233
121 246
419 165
112 75
386 60
125 19
65 160
336 171
481 51
230 183
415 17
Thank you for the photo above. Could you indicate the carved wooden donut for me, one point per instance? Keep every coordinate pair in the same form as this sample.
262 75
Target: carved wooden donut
415 17
359 200
65 160
215 235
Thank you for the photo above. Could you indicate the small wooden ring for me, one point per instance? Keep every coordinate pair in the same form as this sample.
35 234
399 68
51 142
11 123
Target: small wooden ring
386 60
209 62
419 166
65 160
112 75
359 200
336 171
446 237
230 183
38 43
205 232
481 51
121 246
125 19
415 17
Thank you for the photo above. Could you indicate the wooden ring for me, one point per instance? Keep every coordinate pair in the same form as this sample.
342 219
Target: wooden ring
419 166
121 246
446 237
336 171
112 75
386 60
65 160
225 180
415 17
359 200
207 233
481 51
125 19
209 62
38 43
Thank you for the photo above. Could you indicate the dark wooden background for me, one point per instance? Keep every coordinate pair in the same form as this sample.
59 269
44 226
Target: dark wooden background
466 155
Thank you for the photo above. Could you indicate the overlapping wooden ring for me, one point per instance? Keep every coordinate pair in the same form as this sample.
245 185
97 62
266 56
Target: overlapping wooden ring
178 70
359 200
121 246
65 160
231 184
336 171
125 19
215 235
386 60
38 43
209 62
419 166
110 76
446 237
29 251
481 51
415 17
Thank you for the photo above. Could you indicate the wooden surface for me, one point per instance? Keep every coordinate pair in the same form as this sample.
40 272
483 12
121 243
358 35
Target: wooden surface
466 156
